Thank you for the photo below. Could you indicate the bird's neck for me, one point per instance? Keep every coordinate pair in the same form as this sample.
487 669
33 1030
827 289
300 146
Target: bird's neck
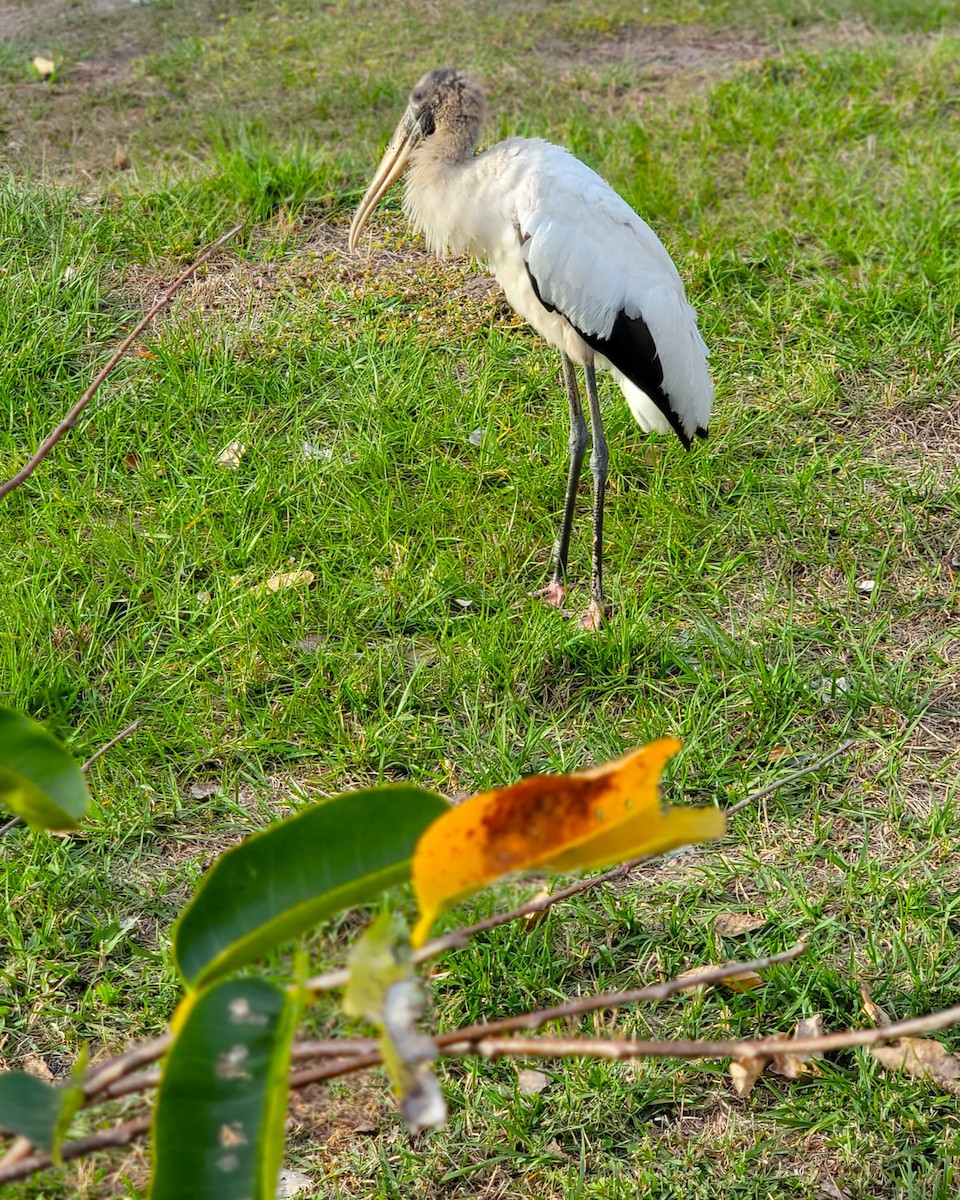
432 199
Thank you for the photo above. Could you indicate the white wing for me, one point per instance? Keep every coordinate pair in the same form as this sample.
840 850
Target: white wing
592 258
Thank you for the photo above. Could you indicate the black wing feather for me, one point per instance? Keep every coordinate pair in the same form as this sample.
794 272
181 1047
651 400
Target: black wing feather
632 350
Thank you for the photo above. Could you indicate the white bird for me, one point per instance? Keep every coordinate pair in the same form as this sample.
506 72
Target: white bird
573 259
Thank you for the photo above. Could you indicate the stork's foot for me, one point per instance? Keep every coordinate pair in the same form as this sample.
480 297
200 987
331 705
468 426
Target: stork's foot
595 616
554 594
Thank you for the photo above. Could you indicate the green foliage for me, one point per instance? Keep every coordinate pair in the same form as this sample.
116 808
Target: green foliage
39 780
805 176
218 1126
31 1108
282 881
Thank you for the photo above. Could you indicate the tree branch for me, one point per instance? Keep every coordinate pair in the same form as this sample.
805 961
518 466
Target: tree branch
798 774
601 1000
119 1135
745 1048
70 420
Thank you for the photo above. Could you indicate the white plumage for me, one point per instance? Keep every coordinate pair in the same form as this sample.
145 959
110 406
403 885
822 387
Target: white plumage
573 259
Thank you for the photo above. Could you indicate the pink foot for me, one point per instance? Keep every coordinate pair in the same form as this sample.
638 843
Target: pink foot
593 619
554 594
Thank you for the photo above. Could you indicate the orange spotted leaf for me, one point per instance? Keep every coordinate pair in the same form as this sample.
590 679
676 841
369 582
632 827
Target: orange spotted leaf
573 822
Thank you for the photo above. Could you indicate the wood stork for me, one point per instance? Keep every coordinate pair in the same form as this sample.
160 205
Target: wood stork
573 259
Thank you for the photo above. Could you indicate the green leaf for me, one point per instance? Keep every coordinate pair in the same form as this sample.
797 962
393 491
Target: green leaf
39 780
71 1103
219 1117
281 882
31 1108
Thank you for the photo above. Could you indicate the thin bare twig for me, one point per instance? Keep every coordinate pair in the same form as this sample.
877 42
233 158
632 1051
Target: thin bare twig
744 1048
458 937
70 420
799 774
104 1074
583 1004
345 1049
15 821
119 1135
124 733
601 1000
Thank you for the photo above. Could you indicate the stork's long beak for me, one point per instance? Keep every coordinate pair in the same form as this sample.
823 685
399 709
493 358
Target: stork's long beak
405 140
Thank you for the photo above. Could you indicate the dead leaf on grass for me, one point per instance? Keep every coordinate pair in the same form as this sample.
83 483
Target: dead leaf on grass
791 1065
33 1064
737 981
873 1010
44 67
742 981
744 1073
287 579
293 1183
923 1058
530 1082
737 924
828 1187
231 454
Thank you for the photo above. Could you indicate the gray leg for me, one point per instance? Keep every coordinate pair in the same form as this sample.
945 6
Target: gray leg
555 591
578 447
599 459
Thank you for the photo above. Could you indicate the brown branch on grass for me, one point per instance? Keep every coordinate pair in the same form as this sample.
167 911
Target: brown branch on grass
570 1008
461 1043
123 1075
118 1135
103 1075
548 1047
124 733
601 1000
70 420
540 904
118 1078
798 774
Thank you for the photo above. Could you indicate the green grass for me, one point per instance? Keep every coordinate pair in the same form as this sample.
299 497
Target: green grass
810 193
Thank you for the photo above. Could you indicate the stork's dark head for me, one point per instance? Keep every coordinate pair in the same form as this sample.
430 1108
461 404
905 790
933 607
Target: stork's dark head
446 101
445 110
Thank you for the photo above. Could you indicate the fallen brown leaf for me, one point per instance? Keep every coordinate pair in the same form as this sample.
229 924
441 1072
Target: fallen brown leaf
287 579
530 1082
231 454
828 1186
791 1065
33 1064
873 1011
923 1058
737 981
744 1073
737 924
742 981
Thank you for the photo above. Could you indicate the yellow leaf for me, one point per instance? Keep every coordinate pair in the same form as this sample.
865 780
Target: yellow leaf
589 819
44 67
738 980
